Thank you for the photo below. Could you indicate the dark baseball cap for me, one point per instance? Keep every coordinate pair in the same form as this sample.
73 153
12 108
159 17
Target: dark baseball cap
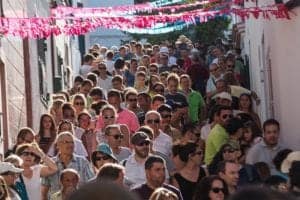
139 137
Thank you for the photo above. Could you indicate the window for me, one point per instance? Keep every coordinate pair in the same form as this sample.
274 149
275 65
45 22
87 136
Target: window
42 48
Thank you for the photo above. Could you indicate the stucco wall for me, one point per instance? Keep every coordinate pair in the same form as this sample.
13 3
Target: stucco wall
11 53
281 46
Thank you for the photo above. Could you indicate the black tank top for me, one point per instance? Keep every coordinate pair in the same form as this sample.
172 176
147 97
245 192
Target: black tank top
187 187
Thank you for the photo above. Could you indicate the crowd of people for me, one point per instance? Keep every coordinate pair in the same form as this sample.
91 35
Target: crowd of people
159 122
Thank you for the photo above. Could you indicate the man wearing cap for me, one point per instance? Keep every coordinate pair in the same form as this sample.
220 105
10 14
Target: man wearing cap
223 98
10 173
165 112
134 165
155 169
218 135
266 149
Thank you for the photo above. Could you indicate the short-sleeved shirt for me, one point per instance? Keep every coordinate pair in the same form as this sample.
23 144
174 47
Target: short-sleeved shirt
163 143
78 163
216 138
124 154
134 172
177 98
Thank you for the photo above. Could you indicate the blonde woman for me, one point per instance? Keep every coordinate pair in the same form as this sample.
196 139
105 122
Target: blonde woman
163 194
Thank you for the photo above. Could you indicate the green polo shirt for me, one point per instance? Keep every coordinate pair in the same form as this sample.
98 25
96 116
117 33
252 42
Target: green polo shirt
216 138
196 103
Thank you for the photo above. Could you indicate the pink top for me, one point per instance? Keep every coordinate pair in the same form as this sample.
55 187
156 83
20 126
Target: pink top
124 117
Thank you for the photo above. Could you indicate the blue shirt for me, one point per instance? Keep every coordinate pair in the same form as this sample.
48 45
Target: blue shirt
79 163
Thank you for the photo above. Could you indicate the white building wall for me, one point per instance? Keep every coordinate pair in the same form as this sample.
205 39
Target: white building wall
274 46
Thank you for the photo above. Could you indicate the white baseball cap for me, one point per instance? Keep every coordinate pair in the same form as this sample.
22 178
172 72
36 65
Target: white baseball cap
223 95
9 167
286 164
164 50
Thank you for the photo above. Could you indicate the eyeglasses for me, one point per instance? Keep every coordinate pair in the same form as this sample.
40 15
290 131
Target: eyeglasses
153 71
217 190
159 90
26 153
109 117
214 70
132 100
79 103
200 152
228 150
166 116
16 175
227 116
153 121
197 135
102 158
67 142
145 143
117 137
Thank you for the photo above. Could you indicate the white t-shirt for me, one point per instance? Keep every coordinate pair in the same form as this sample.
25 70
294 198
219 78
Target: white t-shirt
84 70
205 130
163 144
110 65
105 84
33 185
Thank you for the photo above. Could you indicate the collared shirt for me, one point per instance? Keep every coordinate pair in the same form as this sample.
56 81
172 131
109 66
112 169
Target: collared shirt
78 163
261 152
163 143
216 138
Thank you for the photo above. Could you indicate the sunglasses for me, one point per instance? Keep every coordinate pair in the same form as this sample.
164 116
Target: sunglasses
26 153
117 137
145 143
98 158
198 152
153 121
159 90
67 142
166 116
217 190
197 135
227 116
109 117
228 151
132 100
79 103
214 70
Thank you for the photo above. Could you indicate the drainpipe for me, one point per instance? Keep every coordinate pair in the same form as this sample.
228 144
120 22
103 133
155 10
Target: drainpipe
27 79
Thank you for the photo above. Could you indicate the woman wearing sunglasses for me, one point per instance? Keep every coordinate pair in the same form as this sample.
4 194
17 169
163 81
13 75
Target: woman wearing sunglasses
102 155
31 155
187 179
109 117
211 188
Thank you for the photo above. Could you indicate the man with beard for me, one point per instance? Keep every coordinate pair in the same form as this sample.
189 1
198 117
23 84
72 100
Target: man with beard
266 149
155 177
134 165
